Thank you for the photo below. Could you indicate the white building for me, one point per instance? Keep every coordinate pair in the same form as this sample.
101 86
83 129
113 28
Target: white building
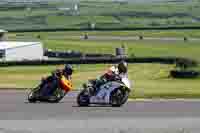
18 51
2 35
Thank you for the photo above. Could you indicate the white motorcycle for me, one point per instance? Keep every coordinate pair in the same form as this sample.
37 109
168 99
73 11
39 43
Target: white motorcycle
114 93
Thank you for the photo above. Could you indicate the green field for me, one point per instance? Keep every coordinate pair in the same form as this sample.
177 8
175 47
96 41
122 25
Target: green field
136 48
148 80
139 48
145 33
104 14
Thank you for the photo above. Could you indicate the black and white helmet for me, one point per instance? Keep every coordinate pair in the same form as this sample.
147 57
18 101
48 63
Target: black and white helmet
122 67
68 69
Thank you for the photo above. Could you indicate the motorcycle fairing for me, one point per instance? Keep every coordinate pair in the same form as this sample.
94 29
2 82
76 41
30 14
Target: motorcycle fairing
103 96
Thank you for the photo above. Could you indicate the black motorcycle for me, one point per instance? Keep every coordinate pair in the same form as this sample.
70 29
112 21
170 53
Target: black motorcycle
118 93
36 93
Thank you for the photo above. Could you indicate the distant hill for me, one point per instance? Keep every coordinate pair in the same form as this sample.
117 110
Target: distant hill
89 0
112 14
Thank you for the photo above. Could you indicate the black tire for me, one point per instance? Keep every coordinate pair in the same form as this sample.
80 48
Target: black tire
83 98
31 97
57 97
32 100
119 97
54 99
125 99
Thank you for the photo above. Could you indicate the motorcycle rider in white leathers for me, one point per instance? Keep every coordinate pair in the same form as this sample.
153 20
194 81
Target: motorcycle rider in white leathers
114 73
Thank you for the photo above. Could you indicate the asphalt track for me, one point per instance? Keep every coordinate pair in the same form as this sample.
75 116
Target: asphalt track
145 116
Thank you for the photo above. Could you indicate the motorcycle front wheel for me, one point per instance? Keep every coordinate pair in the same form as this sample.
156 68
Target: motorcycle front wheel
83 98
31 97
119 97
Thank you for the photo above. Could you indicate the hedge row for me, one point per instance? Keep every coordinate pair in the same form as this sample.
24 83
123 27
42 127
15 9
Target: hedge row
108 29
166 60
184 74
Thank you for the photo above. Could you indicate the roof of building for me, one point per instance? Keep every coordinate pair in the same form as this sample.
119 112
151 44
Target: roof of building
12 44
3 31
